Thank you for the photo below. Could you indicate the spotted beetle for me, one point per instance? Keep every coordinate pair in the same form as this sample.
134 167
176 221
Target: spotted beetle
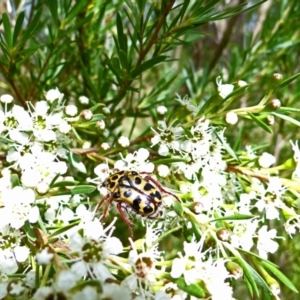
131 190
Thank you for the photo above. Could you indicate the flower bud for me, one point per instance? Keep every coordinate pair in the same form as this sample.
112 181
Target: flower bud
223 234
71 110
277 76
87 115
234 269
275 103
231 118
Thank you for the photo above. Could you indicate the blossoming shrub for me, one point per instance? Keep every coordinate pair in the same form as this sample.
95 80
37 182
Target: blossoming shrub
207 207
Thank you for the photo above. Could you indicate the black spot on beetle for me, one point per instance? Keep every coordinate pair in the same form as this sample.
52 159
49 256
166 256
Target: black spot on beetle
116 195
111 185
148 209
127 193
137 180
158 195
115 177
134 173
136 203
148 186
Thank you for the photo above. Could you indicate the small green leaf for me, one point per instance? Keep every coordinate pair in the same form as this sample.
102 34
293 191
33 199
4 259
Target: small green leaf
5 140
83 189
227 147
178 208
260 123
31 27
63 229
76 163
7 30
97 117
287 81
121 36
18 26
75 10
287 118
53 10
233 217
248 275
279 275
29 231
192 289
147 65
64 183
196 230
15 181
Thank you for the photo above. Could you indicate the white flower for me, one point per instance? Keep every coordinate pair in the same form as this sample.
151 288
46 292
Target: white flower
124 141
167 138
161 110
266 160
84 100
53 95
16 206
137 161
6 98
265 243
44 257
224 89
243 234
269 199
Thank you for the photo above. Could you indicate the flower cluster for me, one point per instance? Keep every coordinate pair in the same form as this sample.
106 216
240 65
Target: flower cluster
193 189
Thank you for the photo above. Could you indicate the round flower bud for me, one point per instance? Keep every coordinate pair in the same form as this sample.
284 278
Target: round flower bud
275 103
71 110
42 188
231 118
84 100
87 115
163 170
198 207
105 146
234 269
278 76
161 110
223 234
53 95
124 141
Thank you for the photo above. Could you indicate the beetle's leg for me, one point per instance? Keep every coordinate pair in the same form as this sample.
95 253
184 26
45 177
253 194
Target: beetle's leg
125 219
161 189
108 198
